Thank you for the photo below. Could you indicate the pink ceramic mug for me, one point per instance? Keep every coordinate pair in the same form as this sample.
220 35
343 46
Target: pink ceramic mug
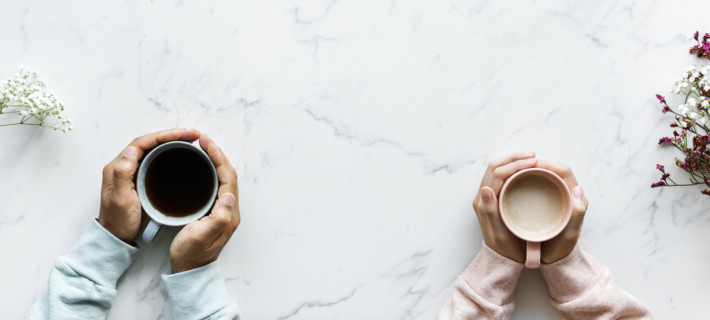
532 241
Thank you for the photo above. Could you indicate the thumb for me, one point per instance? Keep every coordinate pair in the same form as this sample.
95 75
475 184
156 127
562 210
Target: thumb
221 214
124 168
490 202
579 202
579 208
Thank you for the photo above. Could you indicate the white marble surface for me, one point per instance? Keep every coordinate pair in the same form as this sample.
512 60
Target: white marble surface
360 131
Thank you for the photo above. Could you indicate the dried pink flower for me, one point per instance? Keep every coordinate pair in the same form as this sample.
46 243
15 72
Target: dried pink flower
693 140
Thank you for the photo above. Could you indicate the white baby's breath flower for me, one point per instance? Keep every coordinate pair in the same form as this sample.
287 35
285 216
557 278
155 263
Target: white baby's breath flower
705 104
693 115
702 121
25 95
692 102
683 109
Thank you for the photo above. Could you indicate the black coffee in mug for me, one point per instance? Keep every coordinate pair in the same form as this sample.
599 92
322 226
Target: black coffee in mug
179 182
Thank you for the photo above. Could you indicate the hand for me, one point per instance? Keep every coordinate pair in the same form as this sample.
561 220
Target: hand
200 242
120 211
563 244
495 234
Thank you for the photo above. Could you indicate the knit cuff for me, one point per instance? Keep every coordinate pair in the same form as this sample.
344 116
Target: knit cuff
197 293
571 276
100 256
493 276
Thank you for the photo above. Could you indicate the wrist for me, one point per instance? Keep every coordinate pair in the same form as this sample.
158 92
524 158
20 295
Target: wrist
512 250
114 231
180 266
548 259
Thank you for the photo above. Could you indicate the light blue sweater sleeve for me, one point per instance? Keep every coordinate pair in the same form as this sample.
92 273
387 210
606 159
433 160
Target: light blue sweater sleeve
82 284
200 294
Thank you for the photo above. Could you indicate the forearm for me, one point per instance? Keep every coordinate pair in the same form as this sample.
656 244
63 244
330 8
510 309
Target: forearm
200 294
582 288
82 284
485 289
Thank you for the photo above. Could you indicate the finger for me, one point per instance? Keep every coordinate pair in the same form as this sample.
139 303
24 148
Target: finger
512 157
151 140
499 174
579 208
489 203
107 180
579 203
215 153
503 161
227 178
225 172
210 227
562 170
124 167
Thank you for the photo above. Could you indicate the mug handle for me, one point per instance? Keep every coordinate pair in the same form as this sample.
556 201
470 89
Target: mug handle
150 231
532 254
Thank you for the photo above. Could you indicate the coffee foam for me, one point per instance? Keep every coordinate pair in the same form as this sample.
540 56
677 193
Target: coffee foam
534 204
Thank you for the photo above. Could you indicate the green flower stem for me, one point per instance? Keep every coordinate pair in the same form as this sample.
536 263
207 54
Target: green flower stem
28 124
694 177
683 185
18 123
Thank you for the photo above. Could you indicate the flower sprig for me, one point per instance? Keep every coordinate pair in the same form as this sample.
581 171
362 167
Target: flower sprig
702 49
26 102
691 132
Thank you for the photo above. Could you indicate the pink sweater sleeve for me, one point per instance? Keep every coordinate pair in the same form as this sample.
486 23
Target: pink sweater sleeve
485 289
582 288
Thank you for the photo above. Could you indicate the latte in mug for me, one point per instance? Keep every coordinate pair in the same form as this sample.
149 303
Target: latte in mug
534 204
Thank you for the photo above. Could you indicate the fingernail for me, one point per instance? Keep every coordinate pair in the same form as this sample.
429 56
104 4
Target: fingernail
532 160
228 200
578 193
486 195
130 152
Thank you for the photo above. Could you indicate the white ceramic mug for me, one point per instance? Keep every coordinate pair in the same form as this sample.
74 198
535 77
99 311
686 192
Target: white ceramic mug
157 218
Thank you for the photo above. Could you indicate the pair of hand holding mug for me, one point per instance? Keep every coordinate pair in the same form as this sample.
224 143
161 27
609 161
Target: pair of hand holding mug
200 242
499 237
